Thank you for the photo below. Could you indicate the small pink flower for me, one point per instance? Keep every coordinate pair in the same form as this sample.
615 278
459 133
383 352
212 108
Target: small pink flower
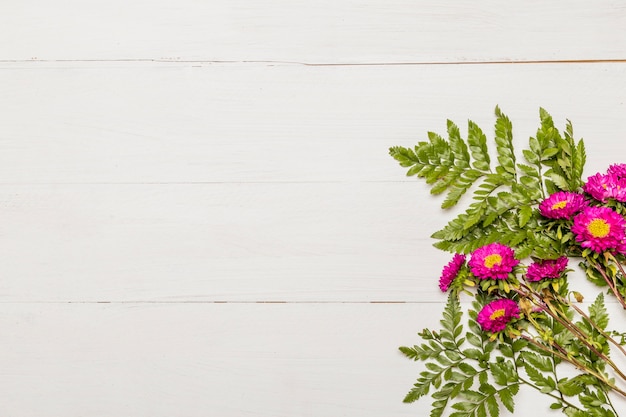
451 271
497 314
562 205
492 261
547 268
600 229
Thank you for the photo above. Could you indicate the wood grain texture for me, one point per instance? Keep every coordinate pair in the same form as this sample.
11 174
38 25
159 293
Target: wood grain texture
216 242
198 212
326 31
230 360
172 123
317 242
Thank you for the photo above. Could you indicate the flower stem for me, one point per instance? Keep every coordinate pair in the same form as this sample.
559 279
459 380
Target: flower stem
608 400
549 394
594 325
583 338
577 364
556 397
612 285
562 319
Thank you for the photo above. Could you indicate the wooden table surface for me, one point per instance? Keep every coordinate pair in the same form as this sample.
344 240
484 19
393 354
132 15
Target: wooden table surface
198 213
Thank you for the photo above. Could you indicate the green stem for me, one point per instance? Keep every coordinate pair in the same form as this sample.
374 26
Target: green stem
577 364
608 399
549 394
612 285
541 185
558 398
594 325
575 330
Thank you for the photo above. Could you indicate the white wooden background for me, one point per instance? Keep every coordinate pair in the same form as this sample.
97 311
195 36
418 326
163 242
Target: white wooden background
198 215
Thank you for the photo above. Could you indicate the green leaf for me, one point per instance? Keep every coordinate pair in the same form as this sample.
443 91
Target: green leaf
545 383
492 406
473 339
570 387
506 397
467 368
598 313
549 153
524 215
478 146
559 181
541 363
573 412
464 406
499 374
473 354
406 157
504 143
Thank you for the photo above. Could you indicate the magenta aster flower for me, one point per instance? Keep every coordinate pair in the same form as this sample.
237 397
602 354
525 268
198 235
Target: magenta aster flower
618 170
599 187
493 261
497 314
450 271
600 229
547 268
562 205
610 185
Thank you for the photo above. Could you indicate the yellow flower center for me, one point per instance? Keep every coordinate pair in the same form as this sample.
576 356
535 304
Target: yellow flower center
598 228
497 314
493 259
559 205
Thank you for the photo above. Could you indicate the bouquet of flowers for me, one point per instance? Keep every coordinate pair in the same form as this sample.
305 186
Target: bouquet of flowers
528 221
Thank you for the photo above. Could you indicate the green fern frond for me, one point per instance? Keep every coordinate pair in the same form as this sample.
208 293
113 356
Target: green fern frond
504 144
503 198
478 146
598 313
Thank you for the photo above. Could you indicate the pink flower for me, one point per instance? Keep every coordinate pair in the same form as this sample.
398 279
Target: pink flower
562 205
600 229
618 170
598 186
547 268
492 261
497 314
450 271
611 185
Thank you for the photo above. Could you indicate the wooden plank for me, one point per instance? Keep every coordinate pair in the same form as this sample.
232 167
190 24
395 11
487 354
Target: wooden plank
218 242
112 123
213 359
343 31
329 242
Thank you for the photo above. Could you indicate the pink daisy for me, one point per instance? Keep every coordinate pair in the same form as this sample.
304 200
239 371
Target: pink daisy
497 314
492 261
562 205
600 229
547 268
450 271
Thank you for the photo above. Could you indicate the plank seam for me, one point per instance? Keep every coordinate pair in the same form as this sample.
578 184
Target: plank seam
221 302
317 64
